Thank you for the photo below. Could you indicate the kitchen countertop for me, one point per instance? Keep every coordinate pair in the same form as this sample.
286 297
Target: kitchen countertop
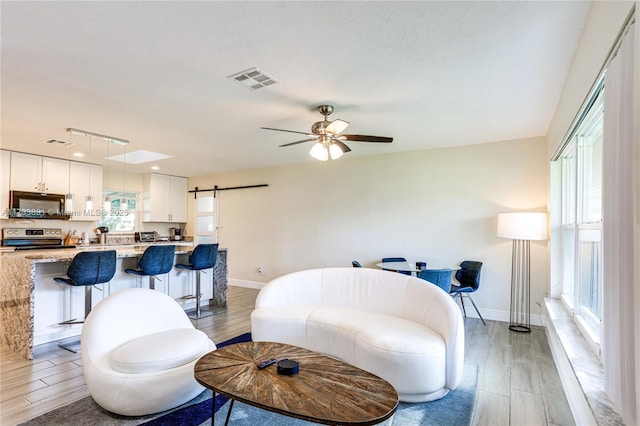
61 255
122 250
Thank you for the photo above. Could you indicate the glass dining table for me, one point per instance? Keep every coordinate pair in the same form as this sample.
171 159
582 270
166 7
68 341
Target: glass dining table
398 266
411 267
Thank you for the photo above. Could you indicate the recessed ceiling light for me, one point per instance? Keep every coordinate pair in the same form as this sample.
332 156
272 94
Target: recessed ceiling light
78 154
253 78
155 168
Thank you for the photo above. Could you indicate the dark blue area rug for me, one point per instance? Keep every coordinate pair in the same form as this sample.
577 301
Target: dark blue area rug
197 412
455 409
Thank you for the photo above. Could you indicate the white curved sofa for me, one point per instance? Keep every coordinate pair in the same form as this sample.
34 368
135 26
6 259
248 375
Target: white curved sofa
139 349
401 328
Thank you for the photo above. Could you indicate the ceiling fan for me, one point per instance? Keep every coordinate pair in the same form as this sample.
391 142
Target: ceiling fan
328 137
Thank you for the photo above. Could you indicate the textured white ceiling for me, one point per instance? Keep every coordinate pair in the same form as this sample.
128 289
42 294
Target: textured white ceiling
429 74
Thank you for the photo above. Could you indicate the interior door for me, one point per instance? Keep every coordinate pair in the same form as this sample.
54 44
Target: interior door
205 221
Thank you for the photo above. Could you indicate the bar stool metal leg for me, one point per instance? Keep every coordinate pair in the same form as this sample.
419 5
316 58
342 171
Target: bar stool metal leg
74 345
199 312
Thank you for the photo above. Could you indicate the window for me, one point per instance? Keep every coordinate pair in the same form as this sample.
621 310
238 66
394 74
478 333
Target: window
581 181
120 210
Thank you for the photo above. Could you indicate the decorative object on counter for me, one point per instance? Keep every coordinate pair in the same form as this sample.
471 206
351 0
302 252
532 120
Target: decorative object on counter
175 234
139 350
155 260
203 257
145 237
521 227
102 231
87 269
71 238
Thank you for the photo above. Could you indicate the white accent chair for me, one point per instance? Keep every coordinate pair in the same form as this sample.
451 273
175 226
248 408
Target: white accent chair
399 327
138 352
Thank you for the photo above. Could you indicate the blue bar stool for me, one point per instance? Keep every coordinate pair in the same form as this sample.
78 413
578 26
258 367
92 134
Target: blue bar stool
87 269
202 257
155 260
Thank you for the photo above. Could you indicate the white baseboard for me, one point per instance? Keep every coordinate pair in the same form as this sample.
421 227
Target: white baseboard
245 283
496 315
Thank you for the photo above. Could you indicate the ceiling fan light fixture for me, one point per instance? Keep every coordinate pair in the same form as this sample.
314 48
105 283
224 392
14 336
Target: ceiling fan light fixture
319 152
335 151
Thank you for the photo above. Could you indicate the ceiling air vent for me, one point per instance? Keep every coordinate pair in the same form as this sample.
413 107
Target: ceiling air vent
58 142
253 78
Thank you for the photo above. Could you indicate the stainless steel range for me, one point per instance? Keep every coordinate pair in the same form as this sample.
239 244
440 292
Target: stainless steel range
32 238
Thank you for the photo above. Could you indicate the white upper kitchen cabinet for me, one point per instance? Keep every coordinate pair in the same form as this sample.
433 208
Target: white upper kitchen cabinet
5 176
85 180
165 198
33 173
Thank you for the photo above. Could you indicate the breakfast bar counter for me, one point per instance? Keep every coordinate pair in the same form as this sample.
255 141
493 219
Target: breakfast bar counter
32 304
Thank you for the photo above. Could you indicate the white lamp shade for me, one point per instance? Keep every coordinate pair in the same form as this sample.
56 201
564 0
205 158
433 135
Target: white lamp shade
319 152
335 151
522 226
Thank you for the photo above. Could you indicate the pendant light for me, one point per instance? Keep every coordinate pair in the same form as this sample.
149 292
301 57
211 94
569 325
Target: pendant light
88 199
68 199
124 202
106 202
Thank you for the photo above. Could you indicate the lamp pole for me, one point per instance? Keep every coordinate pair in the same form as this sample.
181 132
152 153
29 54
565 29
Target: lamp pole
521 228
520 308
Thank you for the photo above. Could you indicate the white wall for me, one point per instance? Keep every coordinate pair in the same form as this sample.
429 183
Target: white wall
603 25
436 205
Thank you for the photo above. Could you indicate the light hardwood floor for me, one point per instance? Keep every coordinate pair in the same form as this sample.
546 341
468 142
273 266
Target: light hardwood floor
517 380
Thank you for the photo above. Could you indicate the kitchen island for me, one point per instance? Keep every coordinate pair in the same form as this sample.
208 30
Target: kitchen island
32 305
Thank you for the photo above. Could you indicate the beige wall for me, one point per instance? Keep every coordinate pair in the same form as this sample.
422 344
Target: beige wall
436 205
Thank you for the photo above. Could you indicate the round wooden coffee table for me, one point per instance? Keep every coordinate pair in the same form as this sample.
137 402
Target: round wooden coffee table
326 390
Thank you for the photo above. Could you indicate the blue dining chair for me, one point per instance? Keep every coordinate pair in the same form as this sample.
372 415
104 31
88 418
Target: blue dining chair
395 259
469 278
439 277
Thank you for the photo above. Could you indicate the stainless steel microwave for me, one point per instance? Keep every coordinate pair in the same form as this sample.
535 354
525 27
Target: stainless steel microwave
35 205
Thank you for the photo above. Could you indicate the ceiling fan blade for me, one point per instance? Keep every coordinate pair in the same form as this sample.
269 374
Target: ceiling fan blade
337 126
297 142
365 138
342 145
289 131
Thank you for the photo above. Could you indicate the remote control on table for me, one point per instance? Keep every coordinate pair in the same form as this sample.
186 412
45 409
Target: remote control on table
267 363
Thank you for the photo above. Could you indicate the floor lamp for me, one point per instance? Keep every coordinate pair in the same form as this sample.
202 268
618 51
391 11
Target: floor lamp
521 227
